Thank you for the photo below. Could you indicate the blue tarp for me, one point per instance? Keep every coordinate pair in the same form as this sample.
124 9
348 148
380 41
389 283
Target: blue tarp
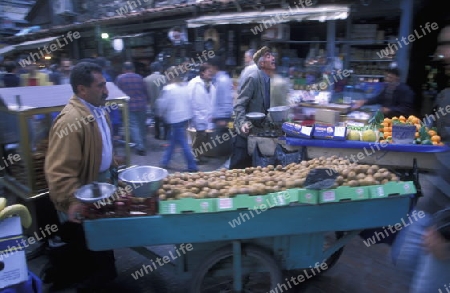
324 143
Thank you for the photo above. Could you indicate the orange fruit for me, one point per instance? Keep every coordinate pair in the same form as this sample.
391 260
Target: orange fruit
402 117
394 118
387 120
432 133
436 138
416 135
418 126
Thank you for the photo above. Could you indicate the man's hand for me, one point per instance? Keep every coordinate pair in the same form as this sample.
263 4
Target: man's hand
436 244
245 128
119 160
221 123
358 104
76 211
385 110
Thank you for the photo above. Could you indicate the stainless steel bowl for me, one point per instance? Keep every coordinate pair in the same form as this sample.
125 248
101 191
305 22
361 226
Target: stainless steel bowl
87 193
279 114
255 115
256 118
144 180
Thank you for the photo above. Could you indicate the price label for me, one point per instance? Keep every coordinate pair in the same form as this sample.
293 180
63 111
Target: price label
406 187
225 203
380 191
329 195
280 200
339 131
172 208
204 206
306 130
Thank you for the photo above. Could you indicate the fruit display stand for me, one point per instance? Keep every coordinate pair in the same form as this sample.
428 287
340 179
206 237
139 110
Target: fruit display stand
236 243
399 156
30 111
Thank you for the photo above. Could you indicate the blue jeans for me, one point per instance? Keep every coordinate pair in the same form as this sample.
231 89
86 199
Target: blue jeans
427 274
138 129
178 137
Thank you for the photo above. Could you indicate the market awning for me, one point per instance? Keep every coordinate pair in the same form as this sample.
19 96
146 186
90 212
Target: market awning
6 50
35 43
292 13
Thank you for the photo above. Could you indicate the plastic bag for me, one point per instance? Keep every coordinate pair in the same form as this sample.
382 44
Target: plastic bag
320 179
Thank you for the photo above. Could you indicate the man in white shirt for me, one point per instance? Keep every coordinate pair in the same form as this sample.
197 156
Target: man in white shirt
250 67
202 94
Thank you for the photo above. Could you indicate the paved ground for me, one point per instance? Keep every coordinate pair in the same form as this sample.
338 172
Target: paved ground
359 270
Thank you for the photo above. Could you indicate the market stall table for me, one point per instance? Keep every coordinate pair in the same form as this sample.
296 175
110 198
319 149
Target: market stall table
382 154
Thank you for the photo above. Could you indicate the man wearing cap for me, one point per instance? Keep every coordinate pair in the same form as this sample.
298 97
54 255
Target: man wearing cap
253 97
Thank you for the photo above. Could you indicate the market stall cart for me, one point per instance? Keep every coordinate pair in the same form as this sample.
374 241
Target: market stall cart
26 116
230 247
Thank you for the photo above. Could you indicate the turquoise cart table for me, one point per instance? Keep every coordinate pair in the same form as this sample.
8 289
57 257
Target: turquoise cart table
286 238
382 154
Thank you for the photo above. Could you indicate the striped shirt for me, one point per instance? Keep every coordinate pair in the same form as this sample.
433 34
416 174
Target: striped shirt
133 85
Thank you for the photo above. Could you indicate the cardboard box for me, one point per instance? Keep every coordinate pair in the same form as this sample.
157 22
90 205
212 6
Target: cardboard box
322 131
325 116
13 262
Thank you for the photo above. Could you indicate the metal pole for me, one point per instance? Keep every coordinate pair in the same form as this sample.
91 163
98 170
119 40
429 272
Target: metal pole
331 38
405 30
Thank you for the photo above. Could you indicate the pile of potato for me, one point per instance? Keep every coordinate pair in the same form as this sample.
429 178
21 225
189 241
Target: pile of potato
262 180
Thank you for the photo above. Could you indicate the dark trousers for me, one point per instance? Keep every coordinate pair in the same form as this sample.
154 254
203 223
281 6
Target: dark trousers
75 262
159 122
240 159
199 144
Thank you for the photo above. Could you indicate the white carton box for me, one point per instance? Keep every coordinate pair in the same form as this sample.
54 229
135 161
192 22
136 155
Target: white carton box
13 262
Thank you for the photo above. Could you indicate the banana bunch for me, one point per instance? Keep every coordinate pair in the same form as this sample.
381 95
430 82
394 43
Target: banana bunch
15 209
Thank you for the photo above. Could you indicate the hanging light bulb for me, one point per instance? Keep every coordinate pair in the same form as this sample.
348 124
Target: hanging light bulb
118 44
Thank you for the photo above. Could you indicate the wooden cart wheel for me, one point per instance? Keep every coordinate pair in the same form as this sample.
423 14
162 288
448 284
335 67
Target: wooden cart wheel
260 272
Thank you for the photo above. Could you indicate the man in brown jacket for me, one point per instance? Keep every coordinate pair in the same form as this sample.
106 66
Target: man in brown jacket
80 152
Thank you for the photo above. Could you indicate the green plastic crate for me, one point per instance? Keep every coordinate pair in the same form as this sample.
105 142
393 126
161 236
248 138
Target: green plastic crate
308 196
187 205
249 202
343 193
392 188
281 198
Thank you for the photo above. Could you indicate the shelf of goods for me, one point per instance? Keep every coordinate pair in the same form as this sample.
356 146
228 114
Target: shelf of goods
26 117
370 54
220 196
